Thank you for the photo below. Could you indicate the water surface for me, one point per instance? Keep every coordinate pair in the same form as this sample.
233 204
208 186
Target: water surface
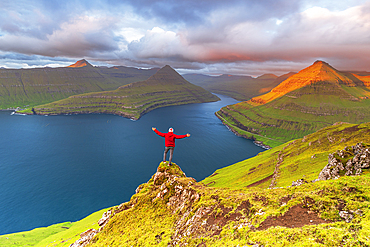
62 168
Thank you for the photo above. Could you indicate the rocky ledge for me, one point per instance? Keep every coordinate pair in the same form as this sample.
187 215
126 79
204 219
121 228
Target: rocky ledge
346 162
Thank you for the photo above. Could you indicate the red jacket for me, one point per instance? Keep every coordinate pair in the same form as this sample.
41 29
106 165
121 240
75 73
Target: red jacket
169 138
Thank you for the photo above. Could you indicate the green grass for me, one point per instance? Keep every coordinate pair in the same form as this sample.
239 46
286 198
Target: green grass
149 217
62 234
302 158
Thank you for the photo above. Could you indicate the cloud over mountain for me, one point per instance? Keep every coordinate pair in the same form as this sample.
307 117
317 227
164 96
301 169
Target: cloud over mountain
249 37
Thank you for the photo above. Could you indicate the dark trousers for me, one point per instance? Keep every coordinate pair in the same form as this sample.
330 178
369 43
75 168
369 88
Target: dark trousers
165 153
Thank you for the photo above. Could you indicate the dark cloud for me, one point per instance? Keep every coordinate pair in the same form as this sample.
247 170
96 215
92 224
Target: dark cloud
242 36
195 12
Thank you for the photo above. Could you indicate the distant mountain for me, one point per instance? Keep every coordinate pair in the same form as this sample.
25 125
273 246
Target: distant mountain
267 76
80 63
319 71
164 88
238 87
315 97
21 87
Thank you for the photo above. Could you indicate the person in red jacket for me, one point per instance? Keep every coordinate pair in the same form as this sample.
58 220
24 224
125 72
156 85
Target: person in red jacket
169 142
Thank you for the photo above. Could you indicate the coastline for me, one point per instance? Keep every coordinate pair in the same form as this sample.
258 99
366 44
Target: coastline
253 138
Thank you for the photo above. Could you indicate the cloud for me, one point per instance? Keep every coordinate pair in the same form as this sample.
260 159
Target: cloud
82 36
238 35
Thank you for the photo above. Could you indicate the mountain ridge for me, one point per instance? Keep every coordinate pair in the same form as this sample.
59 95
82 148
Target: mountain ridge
36 86
166 87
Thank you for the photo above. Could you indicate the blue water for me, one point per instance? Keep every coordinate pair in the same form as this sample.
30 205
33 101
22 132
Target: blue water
62 168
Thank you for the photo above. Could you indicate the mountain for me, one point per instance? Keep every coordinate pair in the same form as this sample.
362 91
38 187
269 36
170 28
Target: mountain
316 97
238 87
166 87
319 71
273 199
22 87
80 63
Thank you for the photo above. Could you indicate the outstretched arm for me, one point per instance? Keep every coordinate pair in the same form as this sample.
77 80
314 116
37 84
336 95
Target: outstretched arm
157 132
182 136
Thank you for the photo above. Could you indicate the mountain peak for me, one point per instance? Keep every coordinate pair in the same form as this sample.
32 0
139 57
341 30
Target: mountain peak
319 71
166 75
320 62
80 63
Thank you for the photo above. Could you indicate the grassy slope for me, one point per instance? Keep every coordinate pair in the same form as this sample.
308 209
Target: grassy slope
300 112
165 88
151 217
21 87
63 234
238 87
302 158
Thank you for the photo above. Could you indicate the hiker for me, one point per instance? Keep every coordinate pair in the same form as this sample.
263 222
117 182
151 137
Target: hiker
169 142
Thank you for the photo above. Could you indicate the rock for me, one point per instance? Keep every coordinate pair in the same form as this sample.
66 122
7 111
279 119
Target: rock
85 238
299 182
353 166
105 218
347 216
140 187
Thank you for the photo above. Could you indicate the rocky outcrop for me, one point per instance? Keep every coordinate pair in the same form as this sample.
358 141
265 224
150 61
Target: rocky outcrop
200 215
347 162
85 238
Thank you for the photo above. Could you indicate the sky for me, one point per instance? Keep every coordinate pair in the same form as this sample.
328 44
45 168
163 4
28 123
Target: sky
244 37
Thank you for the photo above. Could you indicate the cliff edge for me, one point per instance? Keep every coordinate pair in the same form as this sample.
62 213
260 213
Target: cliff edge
174 210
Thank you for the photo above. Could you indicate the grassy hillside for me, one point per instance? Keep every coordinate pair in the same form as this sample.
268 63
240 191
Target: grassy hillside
238 87
21 87
174 210
64 234
280 116
165 88
301 158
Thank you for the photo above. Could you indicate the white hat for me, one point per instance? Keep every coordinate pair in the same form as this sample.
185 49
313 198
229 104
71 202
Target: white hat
170 129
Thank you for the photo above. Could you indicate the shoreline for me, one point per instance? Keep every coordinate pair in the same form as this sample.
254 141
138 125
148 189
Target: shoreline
255 142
